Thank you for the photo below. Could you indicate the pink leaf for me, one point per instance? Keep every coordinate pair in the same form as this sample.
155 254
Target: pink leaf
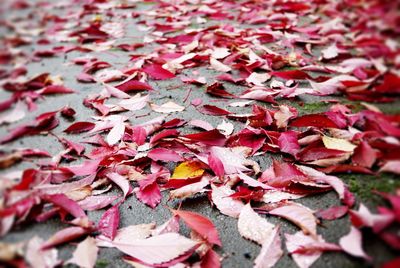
87 168
97 202
149 192
364 155
332 213
63 236
288 142
352 244
200 224
40 258
392 166
216 165
364 218
122 183
164 155
109 222
62 201
298 241
271 250
210 260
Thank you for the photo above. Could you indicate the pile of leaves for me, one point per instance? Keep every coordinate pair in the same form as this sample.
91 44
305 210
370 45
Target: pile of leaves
243 69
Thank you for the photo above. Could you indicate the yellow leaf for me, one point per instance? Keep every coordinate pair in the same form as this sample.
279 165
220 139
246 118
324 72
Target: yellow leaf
338 144
188 169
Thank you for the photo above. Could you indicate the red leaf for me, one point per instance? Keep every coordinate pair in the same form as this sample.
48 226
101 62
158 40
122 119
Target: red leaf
217 89
55 89
364 155
216 165
133 85
158 72
212 110
164 155
392 264
313 120
200 224
80 127
211 137
109 222
291 74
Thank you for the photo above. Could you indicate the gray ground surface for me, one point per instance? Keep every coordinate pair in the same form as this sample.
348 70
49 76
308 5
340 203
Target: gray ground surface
238 252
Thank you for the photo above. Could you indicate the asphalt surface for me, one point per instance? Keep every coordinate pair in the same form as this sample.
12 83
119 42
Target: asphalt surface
237 251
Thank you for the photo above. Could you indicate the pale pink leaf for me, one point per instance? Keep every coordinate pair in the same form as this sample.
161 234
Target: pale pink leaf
252 226
392 166
299 240
85 254
37 257
158 249
299 215
116 133
271 250
121 181
352 244
166 108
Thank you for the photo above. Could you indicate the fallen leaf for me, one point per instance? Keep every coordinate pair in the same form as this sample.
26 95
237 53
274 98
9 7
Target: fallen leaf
253 227
200 224
85 254
188 169
352 244
158 249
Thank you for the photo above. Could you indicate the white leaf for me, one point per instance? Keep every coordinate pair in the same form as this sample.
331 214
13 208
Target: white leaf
226 127
166 108
330 52
252 226
158 249
126 234
258 79
219 66
135 103
85 254
225 204
220 53
116 133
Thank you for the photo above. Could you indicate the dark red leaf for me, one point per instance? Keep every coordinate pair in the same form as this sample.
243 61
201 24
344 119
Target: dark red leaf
80 127
313 120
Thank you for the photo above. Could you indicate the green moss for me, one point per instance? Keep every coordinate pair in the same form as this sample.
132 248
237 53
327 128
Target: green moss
363 186
101 263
